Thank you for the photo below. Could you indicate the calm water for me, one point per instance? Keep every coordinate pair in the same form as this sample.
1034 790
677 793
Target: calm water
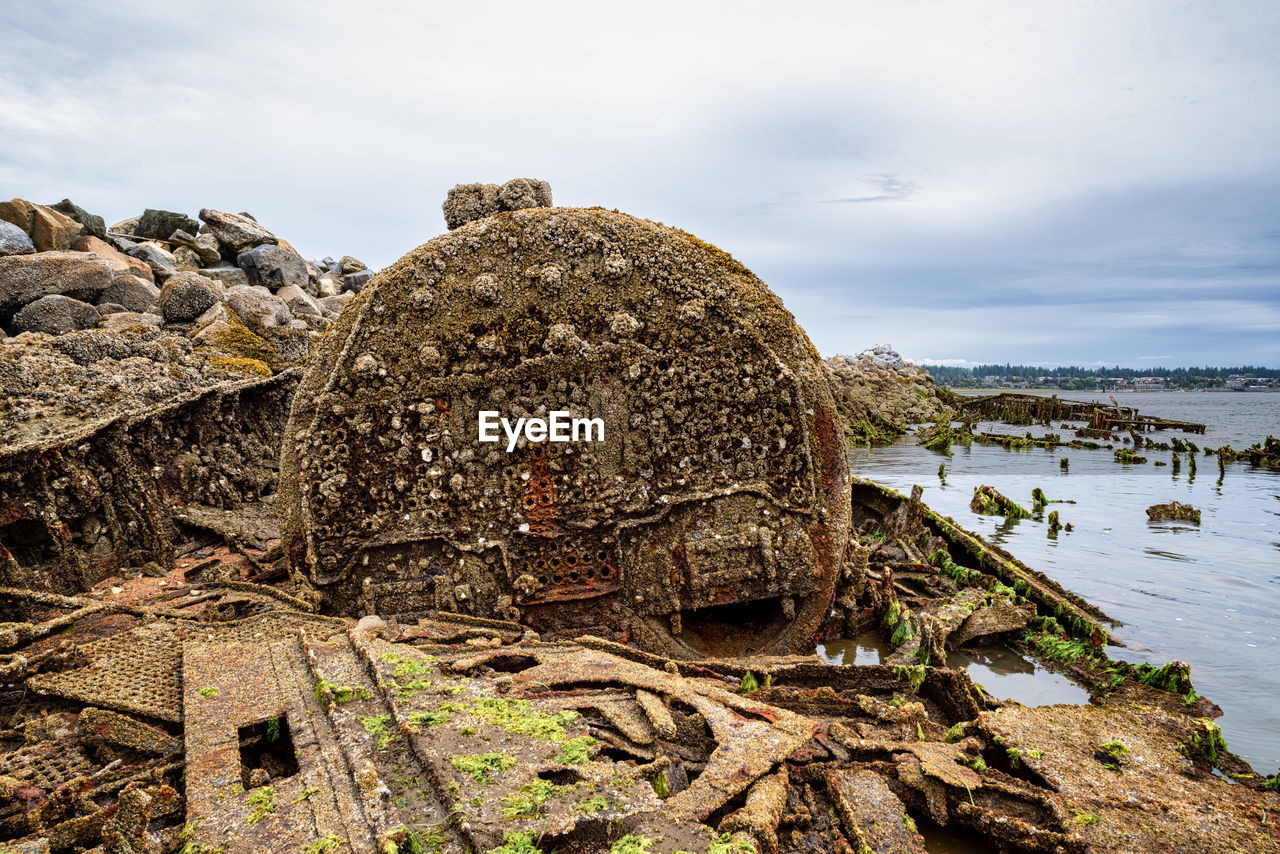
1207 594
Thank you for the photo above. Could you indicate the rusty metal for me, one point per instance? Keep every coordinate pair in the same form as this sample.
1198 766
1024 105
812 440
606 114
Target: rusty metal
712 517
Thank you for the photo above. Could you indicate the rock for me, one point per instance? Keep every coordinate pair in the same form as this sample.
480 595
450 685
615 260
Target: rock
49 230
317 322
93 225
223 332
185 296
105 308
273 266
258 307
204 245
467 202
236 231
356 281
329 284
161 261
26 278
131 292
336 304
55 314
215 313
351 265
87 346
751 521
879 394
124 226
160 225
14 241
121 264
520 193
186 259
884 356
299 301
229 276
123 320
371 627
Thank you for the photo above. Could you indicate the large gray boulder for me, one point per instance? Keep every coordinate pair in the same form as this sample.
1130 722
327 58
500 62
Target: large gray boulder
258 307
185 296
159 225
357 281
235 231
55 315
131 292
273 266
14 241
93 225
26 278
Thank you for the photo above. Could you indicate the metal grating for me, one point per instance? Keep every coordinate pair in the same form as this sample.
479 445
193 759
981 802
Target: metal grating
140 671
48 765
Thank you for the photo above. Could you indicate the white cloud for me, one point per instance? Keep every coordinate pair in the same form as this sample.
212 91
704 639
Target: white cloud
1015 151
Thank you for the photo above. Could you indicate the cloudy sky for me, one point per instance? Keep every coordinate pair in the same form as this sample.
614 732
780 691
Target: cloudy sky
1043 182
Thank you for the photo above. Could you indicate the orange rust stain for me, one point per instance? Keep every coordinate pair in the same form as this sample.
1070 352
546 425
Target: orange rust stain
539 500
830 453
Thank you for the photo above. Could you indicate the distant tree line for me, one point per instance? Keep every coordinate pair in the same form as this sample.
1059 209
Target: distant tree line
1074 377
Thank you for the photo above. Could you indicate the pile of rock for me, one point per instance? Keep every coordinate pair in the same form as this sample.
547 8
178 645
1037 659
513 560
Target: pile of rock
93 318
879 394
62 270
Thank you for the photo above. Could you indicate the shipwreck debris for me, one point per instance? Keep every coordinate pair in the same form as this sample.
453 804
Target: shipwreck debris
714 514
1174 511
1026 409
988 500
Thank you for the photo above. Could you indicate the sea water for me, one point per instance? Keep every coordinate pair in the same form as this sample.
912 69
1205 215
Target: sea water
1207 594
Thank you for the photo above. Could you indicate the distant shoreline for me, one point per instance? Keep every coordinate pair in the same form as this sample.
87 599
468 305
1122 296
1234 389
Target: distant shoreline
985 390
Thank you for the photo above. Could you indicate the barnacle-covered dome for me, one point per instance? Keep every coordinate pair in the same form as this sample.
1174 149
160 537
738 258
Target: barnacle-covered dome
712 516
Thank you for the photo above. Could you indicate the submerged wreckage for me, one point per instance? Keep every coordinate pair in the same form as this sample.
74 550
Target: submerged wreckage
445 647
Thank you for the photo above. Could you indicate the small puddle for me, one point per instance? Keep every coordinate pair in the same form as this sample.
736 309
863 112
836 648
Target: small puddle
953 840
866 648
1006 674
1002 672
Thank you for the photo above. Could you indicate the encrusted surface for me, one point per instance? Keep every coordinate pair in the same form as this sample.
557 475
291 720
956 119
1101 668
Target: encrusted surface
721 480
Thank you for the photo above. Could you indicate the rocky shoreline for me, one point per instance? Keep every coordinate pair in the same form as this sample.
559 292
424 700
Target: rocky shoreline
97 323
261 590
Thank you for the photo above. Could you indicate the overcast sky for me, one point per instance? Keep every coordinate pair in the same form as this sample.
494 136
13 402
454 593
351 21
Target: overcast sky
1040 182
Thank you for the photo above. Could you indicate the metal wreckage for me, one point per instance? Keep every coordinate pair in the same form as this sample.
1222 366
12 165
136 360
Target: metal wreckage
231 626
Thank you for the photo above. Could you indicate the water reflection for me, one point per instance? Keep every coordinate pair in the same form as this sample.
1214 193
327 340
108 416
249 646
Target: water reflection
1007 674
952 840
866 648
1164 554
1172 586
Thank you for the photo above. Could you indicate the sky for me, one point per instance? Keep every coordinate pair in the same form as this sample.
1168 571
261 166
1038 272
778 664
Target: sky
1090 183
